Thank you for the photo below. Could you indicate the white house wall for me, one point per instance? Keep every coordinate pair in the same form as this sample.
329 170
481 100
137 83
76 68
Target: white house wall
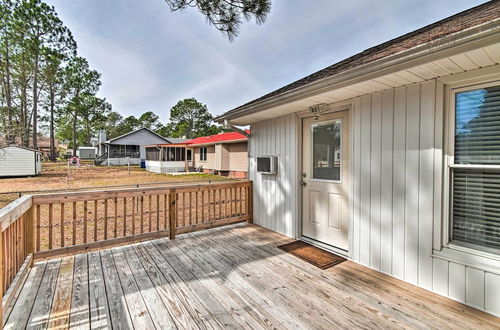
275 197
396 190
397 166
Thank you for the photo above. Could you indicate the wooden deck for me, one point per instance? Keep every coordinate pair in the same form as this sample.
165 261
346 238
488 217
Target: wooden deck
228 277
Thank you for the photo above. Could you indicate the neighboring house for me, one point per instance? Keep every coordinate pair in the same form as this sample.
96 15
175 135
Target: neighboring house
416 120
128 147
43 144
223 154
19 161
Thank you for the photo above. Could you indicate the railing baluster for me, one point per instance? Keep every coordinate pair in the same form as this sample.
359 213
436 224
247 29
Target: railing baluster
105 219
172 216
220 204
149 211
74 223
38 215
133 214
165 208
124 216
142 214
190 208
96 219
85 221
61 230
157 212
232 202
241 200
50 225
115 215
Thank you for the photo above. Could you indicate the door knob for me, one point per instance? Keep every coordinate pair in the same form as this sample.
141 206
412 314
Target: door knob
302 182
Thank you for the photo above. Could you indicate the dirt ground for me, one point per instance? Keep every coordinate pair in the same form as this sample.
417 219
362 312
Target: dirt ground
57 176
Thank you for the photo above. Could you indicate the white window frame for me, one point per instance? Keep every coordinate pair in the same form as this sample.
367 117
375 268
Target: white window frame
457 252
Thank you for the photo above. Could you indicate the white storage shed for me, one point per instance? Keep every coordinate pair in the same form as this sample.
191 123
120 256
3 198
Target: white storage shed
86 152
19 161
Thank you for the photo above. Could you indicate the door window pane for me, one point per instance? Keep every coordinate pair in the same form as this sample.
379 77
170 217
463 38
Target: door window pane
327 150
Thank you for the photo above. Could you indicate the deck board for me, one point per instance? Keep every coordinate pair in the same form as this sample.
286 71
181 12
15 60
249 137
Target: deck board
232 277
100 317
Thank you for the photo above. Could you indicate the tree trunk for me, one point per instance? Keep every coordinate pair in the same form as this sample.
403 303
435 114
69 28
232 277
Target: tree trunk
8 96
35 103
74 134
52 137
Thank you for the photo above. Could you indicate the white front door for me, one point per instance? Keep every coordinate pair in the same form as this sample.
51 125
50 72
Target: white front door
325 179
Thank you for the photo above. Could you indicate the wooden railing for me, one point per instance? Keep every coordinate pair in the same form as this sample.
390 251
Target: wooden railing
16 248
41 226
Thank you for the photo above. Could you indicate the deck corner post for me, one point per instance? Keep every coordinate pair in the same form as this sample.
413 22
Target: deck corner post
1 278
250 202
30 230
172 215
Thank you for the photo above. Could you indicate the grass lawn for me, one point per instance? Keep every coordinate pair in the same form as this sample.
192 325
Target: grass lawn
57 176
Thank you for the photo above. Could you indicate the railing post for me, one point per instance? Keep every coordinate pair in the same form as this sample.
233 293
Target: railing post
30 231
250 202
1 278
172 215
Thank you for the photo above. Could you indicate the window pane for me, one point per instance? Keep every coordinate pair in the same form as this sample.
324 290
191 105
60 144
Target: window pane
327 150
476 207
477 126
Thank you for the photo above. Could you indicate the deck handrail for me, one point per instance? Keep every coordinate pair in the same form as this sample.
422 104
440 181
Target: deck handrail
49 225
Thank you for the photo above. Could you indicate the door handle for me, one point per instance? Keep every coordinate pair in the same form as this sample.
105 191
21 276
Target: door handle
303 183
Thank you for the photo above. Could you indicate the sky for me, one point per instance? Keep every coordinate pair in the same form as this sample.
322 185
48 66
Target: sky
150 58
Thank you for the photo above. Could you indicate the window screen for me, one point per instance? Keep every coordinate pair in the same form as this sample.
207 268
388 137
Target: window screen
476 189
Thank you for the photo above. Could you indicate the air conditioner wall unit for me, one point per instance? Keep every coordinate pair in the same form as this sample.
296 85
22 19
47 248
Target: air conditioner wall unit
267 164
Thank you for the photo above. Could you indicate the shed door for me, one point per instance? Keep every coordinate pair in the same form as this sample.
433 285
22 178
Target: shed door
325 179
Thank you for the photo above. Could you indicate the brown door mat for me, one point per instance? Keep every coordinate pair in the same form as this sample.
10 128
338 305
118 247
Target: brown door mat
313 255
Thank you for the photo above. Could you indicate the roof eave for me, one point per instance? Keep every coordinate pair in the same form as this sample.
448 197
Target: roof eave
218 142
462 41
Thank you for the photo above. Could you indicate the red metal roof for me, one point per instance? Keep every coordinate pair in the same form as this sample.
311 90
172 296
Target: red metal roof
218 138
210 139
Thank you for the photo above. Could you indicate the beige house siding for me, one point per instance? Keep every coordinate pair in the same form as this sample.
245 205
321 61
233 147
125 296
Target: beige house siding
238 156
210 162
223 157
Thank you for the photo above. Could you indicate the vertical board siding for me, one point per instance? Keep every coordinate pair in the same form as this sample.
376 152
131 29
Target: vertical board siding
397 171
412 187
492 289
397 140
399 183
386 177
275 202
426 185
375 182
365 203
